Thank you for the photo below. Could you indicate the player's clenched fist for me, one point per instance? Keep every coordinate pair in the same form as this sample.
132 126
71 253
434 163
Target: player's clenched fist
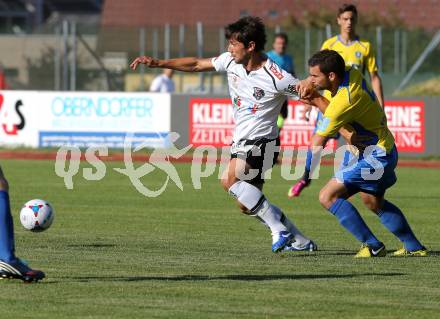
147 60
306 89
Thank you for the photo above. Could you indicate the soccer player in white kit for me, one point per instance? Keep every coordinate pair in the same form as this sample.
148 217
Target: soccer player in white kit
258 88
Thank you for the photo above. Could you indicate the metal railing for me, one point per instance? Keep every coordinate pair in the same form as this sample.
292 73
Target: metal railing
71 59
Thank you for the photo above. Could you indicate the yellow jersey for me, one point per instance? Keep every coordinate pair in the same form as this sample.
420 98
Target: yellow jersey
359 54
355 107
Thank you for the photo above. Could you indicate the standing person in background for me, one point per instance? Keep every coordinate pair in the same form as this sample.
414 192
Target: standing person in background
357 53
163 83
284 61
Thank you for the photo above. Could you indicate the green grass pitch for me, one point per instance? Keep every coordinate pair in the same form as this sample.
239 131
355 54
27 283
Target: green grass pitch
113 253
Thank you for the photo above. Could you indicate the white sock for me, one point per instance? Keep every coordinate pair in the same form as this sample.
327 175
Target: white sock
300 239
253 199
248 195
271 217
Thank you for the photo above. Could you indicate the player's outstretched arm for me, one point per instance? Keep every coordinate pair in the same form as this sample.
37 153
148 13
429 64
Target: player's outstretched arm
188 64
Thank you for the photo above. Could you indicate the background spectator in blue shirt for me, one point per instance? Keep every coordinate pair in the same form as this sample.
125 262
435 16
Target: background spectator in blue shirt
285 61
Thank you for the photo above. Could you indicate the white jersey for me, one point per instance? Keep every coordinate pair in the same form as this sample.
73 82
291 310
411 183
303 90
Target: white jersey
256 96
163 84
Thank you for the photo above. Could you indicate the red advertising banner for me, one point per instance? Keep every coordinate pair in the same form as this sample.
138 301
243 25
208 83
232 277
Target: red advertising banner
406 120
212 123
297 130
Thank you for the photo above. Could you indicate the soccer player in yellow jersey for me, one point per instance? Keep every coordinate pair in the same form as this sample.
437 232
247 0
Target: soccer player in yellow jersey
370 170
357 53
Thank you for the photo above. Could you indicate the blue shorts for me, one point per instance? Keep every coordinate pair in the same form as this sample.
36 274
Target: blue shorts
372 173
319 118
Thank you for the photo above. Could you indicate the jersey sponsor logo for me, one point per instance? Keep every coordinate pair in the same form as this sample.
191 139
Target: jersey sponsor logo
291 89
233 79
354 65
237 101
258 93
323 124
275 71
236 75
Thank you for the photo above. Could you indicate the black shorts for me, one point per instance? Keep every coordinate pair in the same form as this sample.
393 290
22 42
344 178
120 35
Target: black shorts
259 154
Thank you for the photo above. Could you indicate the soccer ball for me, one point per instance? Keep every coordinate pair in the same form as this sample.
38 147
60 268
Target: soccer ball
36 215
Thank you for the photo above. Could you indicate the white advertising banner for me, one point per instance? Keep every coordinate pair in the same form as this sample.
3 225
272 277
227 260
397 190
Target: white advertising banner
83 119
18 119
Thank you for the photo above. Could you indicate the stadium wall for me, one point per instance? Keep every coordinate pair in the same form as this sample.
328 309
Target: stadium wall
51 119
413 121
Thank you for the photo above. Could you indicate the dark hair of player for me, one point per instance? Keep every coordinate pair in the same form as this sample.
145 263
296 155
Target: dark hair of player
347 7
328 61
246 30
283 36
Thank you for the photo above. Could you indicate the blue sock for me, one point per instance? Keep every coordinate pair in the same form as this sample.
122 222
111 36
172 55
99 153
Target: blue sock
350 219
394 220
306 175
6 229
